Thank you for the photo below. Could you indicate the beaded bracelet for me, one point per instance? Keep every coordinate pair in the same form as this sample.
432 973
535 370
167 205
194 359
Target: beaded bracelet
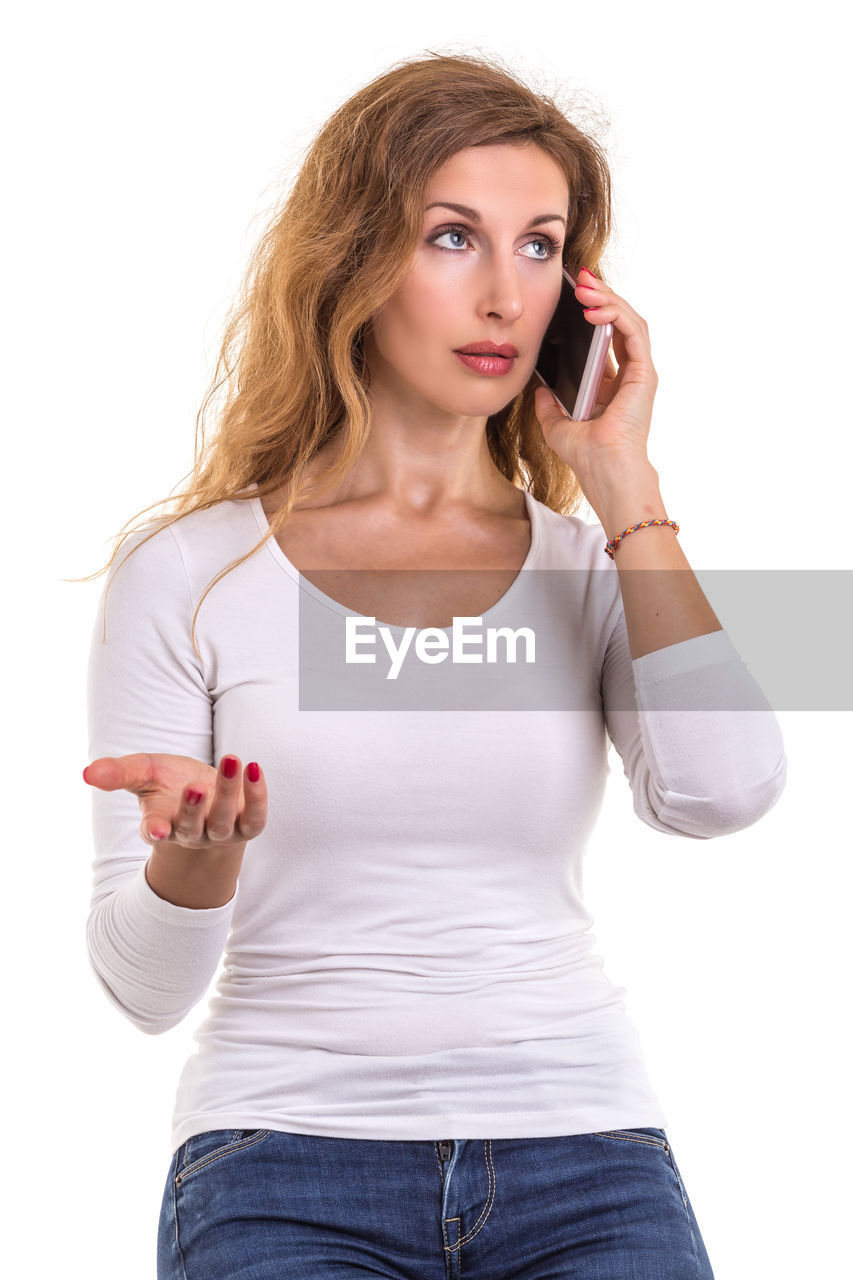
611 546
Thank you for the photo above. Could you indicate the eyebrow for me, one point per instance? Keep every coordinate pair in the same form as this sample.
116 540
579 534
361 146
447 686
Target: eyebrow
468 212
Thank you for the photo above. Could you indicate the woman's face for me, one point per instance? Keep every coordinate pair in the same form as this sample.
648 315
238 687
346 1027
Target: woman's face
494 276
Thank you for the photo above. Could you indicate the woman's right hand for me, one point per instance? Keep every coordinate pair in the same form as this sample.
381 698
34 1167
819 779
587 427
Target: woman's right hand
230 811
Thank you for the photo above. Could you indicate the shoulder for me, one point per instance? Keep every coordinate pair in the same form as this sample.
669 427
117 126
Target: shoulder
587 579
167 554
569 541
224 525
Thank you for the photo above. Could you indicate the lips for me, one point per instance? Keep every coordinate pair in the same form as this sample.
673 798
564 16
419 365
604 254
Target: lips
489 365
505 349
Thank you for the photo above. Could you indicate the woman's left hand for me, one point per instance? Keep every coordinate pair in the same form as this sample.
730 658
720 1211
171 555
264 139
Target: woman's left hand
618 430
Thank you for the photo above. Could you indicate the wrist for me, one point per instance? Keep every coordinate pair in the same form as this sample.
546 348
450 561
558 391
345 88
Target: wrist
199 878
624 497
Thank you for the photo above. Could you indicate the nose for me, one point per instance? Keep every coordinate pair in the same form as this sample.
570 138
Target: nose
501 289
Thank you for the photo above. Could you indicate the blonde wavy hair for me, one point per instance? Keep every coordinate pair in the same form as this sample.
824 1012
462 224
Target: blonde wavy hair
292 355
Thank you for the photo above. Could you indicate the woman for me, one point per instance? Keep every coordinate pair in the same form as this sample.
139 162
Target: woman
413 1065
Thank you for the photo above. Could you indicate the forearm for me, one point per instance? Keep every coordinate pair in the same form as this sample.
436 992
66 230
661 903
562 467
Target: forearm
199 878
663 607
154 959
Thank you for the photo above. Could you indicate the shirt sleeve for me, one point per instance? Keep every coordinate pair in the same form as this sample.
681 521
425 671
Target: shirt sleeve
700 745
146 692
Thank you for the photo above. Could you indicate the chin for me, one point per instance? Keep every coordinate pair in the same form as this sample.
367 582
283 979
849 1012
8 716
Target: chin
483 407
468 402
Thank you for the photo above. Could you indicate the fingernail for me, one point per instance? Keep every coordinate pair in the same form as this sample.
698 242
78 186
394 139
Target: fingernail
587 310
193 797
252 772
587 270
229 767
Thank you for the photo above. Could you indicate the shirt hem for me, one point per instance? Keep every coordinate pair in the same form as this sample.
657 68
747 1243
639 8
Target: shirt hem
450 1126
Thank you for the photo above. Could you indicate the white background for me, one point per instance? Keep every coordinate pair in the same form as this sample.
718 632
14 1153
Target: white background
143 147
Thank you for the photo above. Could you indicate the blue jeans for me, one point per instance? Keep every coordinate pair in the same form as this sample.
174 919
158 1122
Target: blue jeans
260 1204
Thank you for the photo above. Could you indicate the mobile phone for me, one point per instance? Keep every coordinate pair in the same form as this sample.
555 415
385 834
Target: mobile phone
573 354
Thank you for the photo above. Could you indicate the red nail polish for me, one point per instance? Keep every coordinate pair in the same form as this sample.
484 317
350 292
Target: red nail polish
252 772
589 272
229 767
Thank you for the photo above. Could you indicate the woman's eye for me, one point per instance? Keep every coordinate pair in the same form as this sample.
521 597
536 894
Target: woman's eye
551 247
453 232
548 245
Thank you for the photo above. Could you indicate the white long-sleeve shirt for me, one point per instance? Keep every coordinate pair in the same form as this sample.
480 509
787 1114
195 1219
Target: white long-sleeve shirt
407 953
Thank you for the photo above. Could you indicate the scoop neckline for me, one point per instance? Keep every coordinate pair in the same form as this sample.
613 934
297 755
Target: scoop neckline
336 607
